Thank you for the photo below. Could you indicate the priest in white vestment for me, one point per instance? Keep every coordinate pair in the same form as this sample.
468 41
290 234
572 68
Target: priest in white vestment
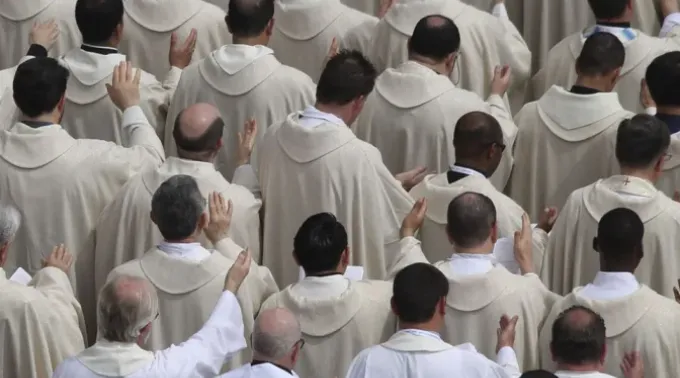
125 230
41 323
128 310
566 139
312 163
245 80
412 114
613 16
641 149
188 276
90 113
636 317
305 30
480 289
478 142
338 317
277 345
61 184
419 297
150 25
371 7
486 42
18 18
662 79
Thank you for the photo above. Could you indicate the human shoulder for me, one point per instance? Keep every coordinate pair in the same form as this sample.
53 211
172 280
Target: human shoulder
27 303
353 17
290 76
374 290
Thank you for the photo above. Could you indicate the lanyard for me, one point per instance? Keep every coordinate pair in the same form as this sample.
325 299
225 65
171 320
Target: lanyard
466 171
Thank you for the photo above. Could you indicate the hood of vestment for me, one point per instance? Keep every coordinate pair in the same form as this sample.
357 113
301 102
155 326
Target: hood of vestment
629 192
405 14
173 166
90 72
474 292
306 144
178 276
236 69
305 19
29 148
411 85
111 359
162 15
576 117
23 9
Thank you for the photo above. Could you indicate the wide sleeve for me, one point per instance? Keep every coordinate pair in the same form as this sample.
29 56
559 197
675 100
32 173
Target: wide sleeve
358 367
157 97
207 350
56 287
141 147
400 254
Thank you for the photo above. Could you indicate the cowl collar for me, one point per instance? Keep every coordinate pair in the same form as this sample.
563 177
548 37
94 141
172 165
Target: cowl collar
236 69
163 271
173 166
88 73
162 15
405 14
30 148
411 85
304 20
404 341
112 359
630 192
304 144
475 292
23 10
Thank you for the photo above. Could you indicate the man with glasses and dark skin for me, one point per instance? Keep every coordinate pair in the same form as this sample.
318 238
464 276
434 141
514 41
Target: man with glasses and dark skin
478 143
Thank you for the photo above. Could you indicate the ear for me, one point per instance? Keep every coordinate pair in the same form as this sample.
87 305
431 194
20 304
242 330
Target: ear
219 145
640 251
359 103
441 306
448 234
153 218
604 354
269 30
202 221
61 103
119 31
552 353
596 246
3 254
296 258
658 167
494 233
394 307
344 258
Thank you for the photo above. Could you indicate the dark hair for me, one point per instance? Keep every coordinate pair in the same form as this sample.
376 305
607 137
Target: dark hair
641 141
177 206
416 291
319 243
346 77
602 53
434 37
607 9
249 18
538 374
578 336
619 236
663 79
39 84
474 133
98 19
208 141
470 218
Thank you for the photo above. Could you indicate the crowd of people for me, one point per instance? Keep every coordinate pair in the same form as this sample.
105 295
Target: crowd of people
339 188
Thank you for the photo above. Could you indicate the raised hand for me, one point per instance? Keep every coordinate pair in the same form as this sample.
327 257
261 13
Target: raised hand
385 6
501 80
632 365
220 218
506 332
414 220
523 246
332 51
411 178
124 87
548 218
645 97
238 272
181 53
44 34
60 258
246 142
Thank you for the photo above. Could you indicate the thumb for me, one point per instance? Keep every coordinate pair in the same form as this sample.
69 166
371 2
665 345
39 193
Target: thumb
173 39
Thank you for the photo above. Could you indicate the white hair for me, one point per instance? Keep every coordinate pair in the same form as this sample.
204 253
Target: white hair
127 304
10 220
275 333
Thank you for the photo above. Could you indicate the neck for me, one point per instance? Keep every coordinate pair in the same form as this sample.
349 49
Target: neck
189 240
670 110
250 41
430 326
639 173
51 118
580 368
337 110
611 269
594 83
469 163
482 249
198 156
625 18
112 43
283 362
439 68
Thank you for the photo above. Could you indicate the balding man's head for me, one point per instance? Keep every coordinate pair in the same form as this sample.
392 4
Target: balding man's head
435 37
250 18
578 337
471 220
198 132
276 335
127 305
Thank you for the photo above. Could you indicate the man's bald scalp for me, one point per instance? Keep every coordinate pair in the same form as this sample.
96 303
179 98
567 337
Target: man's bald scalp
275 332
470 218
474 133
198 128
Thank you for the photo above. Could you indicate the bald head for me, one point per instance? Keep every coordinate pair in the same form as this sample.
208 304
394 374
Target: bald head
275 333
198 131
126 305
578 337
470 219
475 132
435 37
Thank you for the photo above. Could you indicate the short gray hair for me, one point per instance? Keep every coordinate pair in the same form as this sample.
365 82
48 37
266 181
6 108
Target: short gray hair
10 220
177 206
276 331
126 305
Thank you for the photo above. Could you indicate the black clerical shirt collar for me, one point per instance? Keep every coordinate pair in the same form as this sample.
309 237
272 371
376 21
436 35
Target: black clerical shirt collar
578 89
454 176
103 50
671 120
258 362
37 124
326 274
614 24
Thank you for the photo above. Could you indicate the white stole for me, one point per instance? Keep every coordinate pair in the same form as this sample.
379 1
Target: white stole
416 341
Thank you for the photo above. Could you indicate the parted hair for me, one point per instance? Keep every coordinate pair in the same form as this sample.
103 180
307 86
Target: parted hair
578 336
347 76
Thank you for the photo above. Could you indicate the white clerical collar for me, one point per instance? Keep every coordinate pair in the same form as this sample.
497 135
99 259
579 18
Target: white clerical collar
623 34
468 264
320 287
580 374
611 285
312 117
466 171
185 251
421 333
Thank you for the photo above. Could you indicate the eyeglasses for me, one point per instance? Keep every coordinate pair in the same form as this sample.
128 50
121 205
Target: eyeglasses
667 156
501 146
301 343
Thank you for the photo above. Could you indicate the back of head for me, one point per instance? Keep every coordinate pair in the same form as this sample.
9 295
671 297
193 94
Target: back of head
641 141
249 18
275 333
602 54
470 219
619 238
347 77
663 79
198 132
177 206
435 37
126 305
319 243
416 291
538 374
608 9
39 85
98 19
578 337
10 220
475 132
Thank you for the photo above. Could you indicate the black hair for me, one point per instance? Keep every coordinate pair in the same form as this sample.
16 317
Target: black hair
416 291
319 243
602 53
97 19
39 84
346 77
470 218
641 141
435 37
249 18
578 336
663 79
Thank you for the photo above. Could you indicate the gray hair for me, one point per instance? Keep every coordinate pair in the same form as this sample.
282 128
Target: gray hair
275 333
126 305
177 206
10 220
